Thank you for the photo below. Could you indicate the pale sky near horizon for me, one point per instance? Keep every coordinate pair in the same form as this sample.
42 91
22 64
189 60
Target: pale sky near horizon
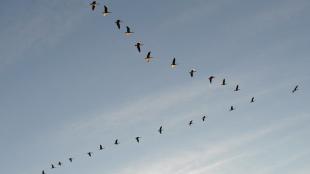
70 80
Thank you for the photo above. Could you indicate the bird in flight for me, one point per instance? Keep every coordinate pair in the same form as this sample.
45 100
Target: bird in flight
295 89
237 88
118 23
43 172
59 163
190 122
128 32
160 130
138 46
211 79
52 166
252 100
204 118
191 72
116 142
231 108
90 154
93 5
138 139
148 57
100 147
106 11
70 159
224 82
173 64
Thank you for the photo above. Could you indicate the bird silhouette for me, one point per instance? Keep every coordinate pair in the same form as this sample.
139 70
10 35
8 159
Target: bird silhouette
138 139
70 159
59 163
224 82
173 64
128 32
138 46
148 57
190 122
191 72
101 147
211 79
231 108
93 5
252 100
160 130
237 88
106 11
43 172
204 118
116 142
118 23
90 154
295 89
52 166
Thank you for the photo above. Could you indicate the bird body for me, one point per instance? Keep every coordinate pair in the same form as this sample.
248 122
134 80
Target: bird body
252 100
138 139
173 64
138 46
224 82
106 11
190 122
237 88
70 159
43 172
93 5
204 118
118 24
89 154
231 108
128 31
191 72
211 79
295 89
52 166
101 147
148 57
160 130
116 142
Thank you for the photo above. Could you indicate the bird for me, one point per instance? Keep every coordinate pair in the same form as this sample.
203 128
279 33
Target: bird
128 32
191 72
118 23
89 154
231 108
211 79
138 139
106 11
224 82
148 57
116 142
252 100
93 5
190 122
59 163
173 64
43 172
160 130
138 45
101 147
237 88
204 118
52 166
70 159
295 89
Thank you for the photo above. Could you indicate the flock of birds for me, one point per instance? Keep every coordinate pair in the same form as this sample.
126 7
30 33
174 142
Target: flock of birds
148 58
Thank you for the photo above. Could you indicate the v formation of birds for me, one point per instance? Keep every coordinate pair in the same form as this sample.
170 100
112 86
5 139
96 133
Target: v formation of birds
148 58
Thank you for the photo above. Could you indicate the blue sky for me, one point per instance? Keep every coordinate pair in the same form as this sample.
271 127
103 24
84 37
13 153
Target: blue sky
71 81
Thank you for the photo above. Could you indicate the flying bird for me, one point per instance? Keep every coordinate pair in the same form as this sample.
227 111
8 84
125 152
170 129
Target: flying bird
231 108
118 23
101 147
138 45
173 64
138 139
148 57
59 163
211 79
128 32
116 142
252 100
43 172
224 82
191 72
52 166
90 154
160 130
295 89
106 11
237 88
93 5
70 159
204 118
190 122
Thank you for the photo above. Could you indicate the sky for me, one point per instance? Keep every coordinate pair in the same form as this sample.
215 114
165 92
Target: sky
70 80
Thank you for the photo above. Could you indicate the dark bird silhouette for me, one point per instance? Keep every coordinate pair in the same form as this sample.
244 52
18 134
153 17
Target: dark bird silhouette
138 139
43 172
59 163
224 82
160 130
106 11
138 46
173 64
101 147
148 57
52 166
118 23
231 108
116 142
237 88
90 154
295 89
190 122
191 72
93 5
252 100
128 32
211 79
70 159
204 118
